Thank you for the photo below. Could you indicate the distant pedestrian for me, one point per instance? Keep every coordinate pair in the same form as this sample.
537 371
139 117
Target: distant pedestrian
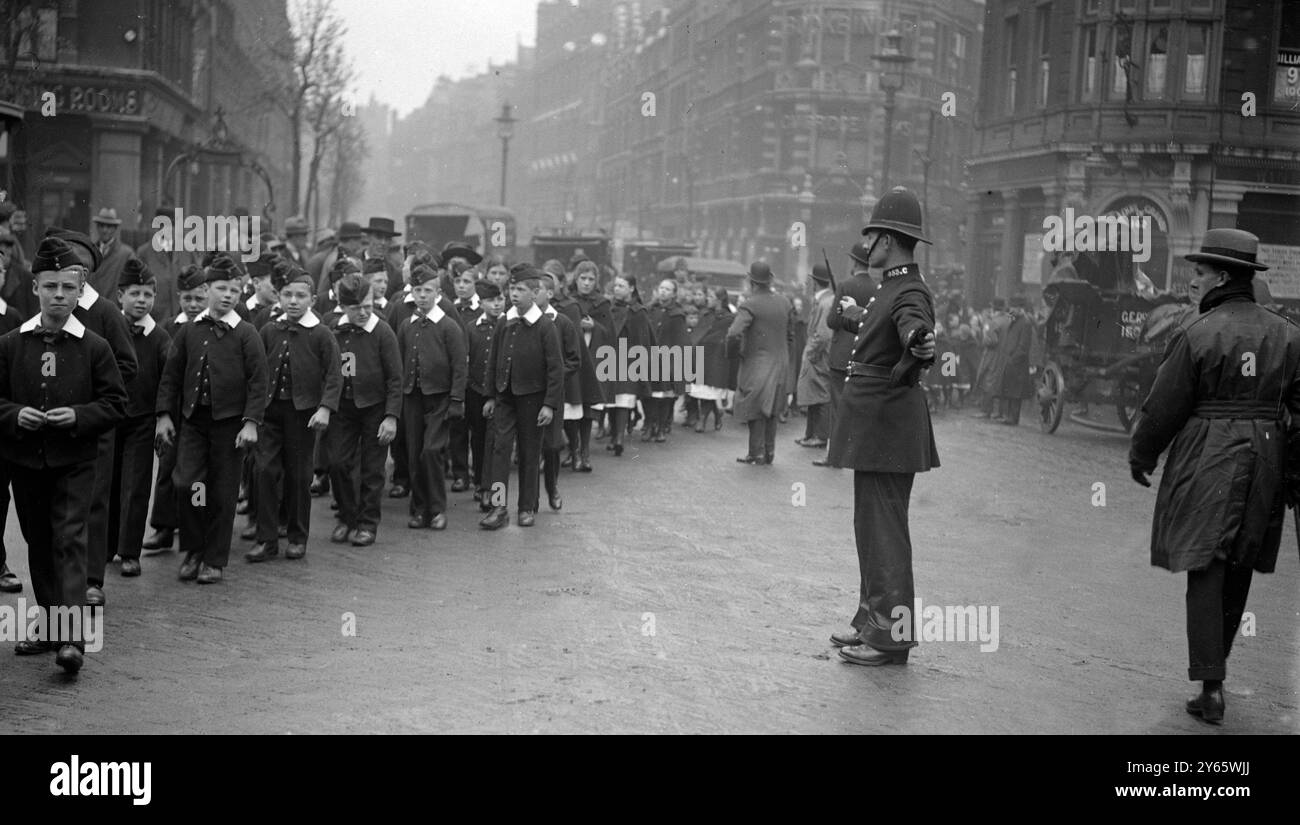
760 336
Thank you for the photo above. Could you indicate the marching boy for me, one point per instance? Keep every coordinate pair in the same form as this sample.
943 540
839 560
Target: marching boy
435 367
216 377
369 406
60 390
553 435
525 388
192 293
304 382
133 458
482 435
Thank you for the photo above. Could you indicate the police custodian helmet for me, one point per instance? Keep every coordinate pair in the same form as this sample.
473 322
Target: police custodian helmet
898 211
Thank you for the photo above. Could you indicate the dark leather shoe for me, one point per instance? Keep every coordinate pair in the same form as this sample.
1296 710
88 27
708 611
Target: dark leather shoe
159 540
29 648
190 567
438 522
460 485
750 459
1208 705
583 466
618 450
363 538
822 462
554 500
262 551
811 442
69 658
249 533
869 656
484 505
94 596
768 458
209 575
497 518
418 523
320 485
341 534
130 568
398 491
295 551
849 638
9 583
527 518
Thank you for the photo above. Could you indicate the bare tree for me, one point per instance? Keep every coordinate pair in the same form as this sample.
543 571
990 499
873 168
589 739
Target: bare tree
327 110
346 184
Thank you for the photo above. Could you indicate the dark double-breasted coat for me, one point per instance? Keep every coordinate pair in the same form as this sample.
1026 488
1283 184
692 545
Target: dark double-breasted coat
814 367
883 422
590 389
1221 494
760 335
668 321
630 328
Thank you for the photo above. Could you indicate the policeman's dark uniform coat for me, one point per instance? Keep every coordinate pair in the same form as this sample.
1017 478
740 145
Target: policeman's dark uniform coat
1220 510
303 371
860 288
55 468
216 377
372 390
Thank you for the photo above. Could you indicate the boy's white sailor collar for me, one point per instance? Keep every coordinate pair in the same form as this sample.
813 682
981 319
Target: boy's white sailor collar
308 320
531 316
485 319
231 318
72 326
407 297
381 302
436 314
88 296
473 301
371 322
550 310
148 323
252 303
3 306
182 318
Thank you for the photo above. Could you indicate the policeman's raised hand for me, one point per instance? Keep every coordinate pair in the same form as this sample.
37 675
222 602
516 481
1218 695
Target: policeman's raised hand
387 430
488 406
925 349
545 416
320 420
64 418
1139 475
30 418
247 435
846 302
456 410
164 433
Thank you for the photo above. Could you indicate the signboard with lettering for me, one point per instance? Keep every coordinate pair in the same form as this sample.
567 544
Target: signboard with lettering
1283 275
86 98
1286 84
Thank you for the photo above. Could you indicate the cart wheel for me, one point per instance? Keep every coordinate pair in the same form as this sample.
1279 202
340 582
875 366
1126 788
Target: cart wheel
1051 397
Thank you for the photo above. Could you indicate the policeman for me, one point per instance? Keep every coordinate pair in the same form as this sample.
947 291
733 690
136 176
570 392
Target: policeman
882 429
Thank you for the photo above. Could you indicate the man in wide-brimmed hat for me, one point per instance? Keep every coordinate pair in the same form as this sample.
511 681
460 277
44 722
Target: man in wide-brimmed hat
295 241
112 252
1219 399
760 336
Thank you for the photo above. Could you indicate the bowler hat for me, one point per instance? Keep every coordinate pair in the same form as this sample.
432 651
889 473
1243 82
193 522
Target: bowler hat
458 249
349 231
821 274
760 272
134 273
107 216
54 254
382 226
1231 247
860 253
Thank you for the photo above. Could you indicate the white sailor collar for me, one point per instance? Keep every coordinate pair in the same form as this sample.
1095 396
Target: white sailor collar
308 320
382 303
72 326
148 323
88 296
3 306
182 318
436 314
550 310
231 318
473 301
371 322
485 319
252 303
531 316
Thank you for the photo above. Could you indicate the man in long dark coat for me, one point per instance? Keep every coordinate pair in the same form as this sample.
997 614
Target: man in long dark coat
1010 379
761 335
813 391
1219 405
883 431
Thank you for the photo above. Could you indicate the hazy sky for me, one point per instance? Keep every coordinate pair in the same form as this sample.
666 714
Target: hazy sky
399 47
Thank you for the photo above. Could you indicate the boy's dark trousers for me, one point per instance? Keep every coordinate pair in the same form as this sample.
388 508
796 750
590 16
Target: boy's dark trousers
53 505
426 451
165 514
97 521
285 447
355 454
516 420
479 429
5 473
401 468
459 440
553 441
132 479
206 453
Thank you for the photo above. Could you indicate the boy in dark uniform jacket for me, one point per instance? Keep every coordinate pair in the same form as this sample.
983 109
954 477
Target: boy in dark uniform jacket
133 455
303 391
468 309
192 294
60 388
435 367
553 436
258 308
369 407
320 483
482 435
216 377
102 317
525 386
9 583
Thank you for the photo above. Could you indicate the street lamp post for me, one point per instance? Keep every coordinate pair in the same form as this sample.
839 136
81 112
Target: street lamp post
505 131
893 62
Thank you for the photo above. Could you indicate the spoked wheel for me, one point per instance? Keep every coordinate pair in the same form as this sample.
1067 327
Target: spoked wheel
1051 397
1128 407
